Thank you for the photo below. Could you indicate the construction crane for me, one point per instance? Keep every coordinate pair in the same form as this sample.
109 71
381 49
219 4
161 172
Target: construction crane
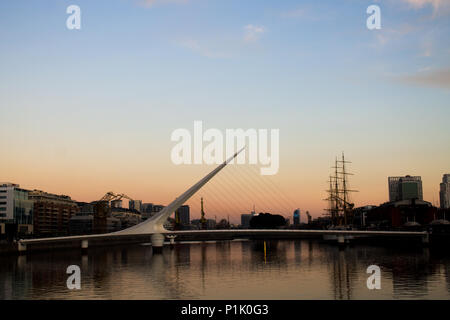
111 196
202 219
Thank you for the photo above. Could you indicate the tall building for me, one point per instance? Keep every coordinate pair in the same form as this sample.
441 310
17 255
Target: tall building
147 210
183 215
444 193
296 217
16 210
405 188
245 220
51 213
135 205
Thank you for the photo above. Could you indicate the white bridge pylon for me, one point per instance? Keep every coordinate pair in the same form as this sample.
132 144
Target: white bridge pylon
155 225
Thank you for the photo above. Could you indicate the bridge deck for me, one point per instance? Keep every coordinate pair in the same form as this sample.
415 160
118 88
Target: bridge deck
232 232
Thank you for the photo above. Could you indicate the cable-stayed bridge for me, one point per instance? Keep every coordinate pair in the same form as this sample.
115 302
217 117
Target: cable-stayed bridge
154 229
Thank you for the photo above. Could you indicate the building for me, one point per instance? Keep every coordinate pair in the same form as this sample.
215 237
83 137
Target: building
147 210
444 193
296 217
360 215
99 217
51 213
405 188
117 203
210 224
401 213
157 208
126 217
16 211
182 215
81 224
245 220
135 205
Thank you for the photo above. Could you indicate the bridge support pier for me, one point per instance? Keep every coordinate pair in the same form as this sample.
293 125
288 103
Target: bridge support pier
171 237
21 247
341 240
426 239
157 240
84 246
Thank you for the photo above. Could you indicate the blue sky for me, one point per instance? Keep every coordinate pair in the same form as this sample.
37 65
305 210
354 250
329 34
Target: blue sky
138 70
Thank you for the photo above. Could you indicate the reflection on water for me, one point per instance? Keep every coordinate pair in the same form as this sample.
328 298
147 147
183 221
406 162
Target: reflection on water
229 270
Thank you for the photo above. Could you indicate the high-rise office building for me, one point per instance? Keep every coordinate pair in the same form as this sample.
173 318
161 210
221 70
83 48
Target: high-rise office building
296 217
444 193
405 188
183 215
16 209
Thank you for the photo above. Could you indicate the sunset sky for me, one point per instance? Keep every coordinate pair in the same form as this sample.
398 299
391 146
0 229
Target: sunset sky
83 112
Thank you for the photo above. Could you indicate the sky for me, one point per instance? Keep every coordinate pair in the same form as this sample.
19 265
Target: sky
84 112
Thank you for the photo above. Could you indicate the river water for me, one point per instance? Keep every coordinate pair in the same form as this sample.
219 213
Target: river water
303 269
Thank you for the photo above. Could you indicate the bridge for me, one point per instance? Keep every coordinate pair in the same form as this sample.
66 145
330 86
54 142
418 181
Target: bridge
153 229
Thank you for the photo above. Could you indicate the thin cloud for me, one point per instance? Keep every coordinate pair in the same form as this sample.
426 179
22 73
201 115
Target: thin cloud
195 46
440 7
387 35
436 78
422 3
253 33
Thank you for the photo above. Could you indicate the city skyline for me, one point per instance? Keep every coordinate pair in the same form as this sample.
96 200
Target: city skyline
87 111
236 215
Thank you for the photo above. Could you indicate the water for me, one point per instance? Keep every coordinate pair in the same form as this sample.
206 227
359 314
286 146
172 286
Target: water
300 269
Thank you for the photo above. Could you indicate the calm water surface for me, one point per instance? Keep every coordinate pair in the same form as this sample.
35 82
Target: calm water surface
229 270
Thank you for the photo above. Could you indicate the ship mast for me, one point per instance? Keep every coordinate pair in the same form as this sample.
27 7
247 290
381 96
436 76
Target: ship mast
339 199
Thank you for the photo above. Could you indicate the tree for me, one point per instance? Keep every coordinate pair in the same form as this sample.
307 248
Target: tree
267 221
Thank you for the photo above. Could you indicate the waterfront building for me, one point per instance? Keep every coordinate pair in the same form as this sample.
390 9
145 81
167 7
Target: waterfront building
401 213
16 211
405 188
125 218
444 193
135 205
296 217
210 224
81 224
245 220
147 210
360 215
51 213
157 208
183 215
116 203
97 217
